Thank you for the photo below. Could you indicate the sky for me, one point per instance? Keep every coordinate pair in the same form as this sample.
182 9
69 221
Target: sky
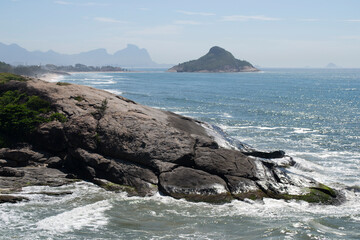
267 33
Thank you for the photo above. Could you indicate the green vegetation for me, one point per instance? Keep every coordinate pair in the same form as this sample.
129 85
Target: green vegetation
78 98
217 59
58 117
63 83
20 114
100 110
6 77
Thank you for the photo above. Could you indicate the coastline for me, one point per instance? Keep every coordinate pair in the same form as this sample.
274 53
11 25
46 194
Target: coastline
56 77
51 77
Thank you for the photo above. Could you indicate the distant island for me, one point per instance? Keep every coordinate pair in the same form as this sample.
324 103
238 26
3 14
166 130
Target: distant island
332 65
216 60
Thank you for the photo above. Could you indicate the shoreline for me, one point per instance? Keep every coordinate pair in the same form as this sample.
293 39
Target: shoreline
51 77
55 77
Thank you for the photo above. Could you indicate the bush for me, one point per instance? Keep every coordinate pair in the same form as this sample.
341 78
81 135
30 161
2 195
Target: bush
20 114
63 83
6 77
58 117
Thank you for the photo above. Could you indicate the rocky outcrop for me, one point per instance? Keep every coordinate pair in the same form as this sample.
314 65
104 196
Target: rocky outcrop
124 146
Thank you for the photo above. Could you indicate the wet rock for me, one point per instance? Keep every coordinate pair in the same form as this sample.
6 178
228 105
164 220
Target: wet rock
12 199
242 188
266 155
194 185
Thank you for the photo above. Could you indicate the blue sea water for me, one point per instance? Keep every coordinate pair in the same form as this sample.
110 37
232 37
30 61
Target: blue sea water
311 114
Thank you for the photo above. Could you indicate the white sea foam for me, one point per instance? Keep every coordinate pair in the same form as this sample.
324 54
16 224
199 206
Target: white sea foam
91 215
117 92
227 115
103 82
304 130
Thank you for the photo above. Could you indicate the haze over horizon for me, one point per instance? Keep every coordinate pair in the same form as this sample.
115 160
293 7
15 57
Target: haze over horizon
279 33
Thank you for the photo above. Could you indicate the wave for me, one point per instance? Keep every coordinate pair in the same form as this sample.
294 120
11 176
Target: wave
91 215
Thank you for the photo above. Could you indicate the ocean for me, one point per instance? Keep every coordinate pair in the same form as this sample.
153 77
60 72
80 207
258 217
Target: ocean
311 114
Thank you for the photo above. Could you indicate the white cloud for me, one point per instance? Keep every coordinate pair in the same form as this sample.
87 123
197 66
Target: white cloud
352 20
63 3
144 9
196 13
158 30
186 22
242 18
350 37
309 20
81 4
108 20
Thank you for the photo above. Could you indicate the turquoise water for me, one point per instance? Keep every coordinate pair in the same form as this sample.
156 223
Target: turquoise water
311 114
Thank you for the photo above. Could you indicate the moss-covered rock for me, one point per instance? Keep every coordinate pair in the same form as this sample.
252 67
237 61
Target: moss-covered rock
318 194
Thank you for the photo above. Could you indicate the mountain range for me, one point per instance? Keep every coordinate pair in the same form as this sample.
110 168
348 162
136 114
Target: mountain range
131 56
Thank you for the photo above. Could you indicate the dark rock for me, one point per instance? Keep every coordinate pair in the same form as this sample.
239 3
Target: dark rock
118 171
267 155
54 162
225 162
51 137
55 194
194 185
12 199
11 172
8 163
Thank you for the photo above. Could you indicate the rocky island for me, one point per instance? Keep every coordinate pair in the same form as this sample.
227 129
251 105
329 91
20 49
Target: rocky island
57 133
216 60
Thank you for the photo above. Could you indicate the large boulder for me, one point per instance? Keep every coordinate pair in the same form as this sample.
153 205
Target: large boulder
121 145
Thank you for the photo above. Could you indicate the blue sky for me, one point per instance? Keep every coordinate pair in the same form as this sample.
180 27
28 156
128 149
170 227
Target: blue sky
269 33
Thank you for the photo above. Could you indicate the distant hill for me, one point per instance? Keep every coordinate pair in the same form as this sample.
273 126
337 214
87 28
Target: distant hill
131 56
216 60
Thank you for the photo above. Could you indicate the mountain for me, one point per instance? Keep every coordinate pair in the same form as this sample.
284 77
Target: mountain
216 60
131 56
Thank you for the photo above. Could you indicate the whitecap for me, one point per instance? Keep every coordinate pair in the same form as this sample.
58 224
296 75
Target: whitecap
91 215
117 92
